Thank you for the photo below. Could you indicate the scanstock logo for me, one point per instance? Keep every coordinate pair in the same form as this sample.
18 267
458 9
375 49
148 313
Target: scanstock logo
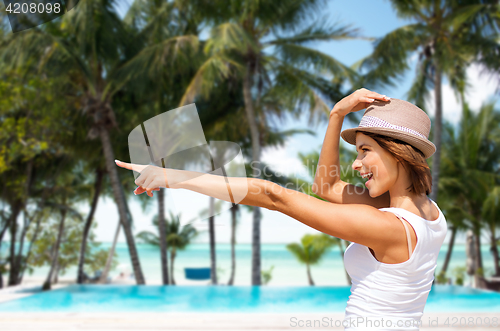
28 14
175 140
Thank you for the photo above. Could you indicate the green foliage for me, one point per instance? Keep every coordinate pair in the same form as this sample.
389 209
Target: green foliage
42 251
266 275
177 237
3 267
446 36
312 247
441 278
267 42
459 274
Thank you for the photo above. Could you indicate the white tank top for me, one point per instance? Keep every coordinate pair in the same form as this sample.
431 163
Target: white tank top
392 296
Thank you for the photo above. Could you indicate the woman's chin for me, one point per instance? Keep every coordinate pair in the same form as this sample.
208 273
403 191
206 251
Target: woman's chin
373 193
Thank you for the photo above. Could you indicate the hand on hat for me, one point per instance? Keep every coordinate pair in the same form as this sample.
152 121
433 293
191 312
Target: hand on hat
359 99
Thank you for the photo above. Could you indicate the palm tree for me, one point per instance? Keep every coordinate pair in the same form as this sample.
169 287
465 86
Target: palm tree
257 43
163 67
63 195
447 36
177 238
492 217
450 203
89 45
235 210
473 175
311 249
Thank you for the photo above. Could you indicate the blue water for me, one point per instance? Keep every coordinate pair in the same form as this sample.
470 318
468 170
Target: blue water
120 298
287 270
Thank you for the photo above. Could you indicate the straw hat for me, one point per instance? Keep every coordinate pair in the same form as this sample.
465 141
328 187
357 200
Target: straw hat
398 119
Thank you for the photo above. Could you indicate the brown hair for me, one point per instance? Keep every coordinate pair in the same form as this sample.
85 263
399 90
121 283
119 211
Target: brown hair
411 158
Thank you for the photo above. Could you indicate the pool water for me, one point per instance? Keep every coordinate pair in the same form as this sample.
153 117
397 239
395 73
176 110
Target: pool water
123 298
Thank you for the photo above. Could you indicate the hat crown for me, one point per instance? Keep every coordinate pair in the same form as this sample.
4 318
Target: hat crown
397 119
402 114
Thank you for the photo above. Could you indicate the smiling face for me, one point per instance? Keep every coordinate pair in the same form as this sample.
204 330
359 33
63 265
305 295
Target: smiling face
374 159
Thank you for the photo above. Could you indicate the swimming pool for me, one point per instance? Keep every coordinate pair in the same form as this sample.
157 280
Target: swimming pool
242 299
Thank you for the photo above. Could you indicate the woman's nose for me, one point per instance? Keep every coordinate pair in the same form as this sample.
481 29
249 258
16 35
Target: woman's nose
356 164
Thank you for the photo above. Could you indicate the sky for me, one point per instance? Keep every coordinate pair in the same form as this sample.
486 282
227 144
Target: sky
374 18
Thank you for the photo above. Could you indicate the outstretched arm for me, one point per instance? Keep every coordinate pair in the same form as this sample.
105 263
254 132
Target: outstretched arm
246 191
354 222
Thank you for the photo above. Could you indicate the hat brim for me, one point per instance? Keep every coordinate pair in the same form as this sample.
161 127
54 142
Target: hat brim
424 145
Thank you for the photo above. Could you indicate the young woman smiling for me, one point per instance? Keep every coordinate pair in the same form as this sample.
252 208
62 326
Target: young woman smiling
394 229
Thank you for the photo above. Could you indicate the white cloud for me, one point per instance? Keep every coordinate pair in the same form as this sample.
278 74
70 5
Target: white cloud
481 87
284 160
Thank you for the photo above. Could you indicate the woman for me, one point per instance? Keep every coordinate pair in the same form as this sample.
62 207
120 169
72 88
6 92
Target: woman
395 230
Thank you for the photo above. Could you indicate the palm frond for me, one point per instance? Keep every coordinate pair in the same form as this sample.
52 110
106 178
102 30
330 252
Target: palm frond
317 32
149 238
389 59
229 36
422 84
306 58
176 54
303 89
212 71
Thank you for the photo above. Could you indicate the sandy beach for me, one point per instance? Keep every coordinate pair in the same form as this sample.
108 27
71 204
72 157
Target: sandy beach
214 321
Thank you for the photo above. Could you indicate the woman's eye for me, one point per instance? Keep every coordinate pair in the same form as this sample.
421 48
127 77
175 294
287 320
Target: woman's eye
364 149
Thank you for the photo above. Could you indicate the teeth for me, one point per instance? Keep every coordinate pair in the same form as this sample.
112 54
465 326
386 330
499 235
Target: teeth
367 175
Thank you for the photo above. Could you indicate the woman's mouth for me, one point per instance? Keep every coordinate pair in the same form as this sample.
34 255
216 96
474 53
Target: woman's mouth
368 181
369 176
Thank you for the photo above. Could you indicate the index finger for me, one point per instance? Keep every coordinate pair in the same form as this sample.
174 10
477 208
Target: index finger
376 95
130 166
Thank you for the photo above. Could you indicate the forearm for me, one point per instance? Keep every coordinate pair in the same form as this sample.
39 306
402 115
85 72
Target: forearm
247 191
328 169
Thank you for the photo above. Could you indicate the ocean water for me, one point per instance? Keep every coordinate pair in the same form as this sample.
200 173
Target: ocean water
287 270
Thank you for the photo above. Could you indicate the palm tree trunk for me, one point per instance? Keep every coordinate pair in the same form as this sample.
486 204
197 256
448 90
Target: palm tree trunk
2 232
309 276
14 268
172 259
27 220
436 158
41 206
121 202
450 250
254 132
479 271
88 224
33 240
46 286
111 253
163 240
494 252
55 275
19 256
211 229
234 210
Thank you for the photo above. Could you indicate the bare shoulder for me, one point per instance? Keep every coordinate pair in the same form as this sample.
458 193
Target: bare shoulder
345 193
359 223
396 250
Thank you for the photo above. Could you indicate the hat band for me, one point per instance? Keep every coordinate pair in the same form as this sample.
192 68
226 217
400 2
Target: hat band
375 122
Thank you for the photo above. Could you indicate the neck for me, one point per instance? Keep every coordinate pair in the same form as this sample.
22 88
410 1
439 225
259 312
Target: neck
407 200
